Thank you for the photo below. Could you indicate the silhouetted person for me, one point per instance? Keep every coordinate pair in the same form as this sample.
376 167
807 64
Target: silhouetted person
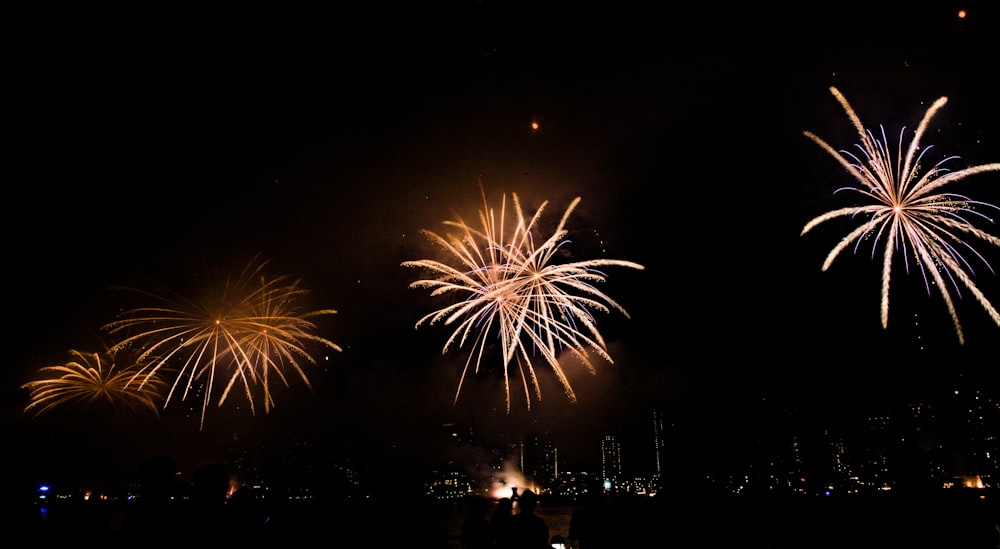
476 532
248 518
528 530
402 515
155 517
500 522
206 514
590 525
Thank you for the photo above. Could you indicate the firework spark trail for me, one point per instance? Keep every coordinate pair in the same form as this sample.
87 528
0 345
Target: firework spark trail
509 288
250 331
908 214
93 379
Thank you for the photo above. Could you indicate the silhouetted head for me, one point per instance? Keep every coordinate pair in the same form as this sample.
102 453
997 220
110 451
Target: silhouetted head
504 505
158 478
210 484
479 506
528 501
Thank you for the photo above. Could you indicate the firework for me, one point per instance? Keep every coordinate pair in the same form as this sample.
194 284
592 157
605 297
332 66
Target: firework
87 380
911 215
246 334
508 288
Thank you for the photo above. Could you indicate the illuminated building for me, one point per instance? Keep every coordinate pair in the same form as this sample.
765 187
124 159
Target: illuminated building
611 461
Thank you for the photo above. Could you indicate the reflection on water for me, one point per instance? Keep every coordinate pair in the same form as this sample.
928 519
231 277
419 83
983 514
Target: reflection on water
966 519
555 515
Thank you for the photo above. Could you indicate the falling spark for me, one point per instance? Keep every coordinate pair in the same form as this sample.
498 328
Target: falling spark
910 215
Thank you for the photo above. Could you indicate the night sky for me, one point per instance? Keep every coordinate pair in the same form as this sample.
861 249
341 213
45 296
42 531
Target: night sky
166 149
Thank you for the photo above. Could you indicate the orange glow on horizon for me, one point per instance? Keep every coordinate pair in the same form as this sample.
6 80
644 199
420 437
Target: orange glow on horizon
974 482
511 478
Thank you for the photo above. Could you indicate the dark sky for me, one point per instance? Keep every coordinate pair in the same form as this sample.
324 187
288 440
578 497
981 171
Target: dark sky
161 149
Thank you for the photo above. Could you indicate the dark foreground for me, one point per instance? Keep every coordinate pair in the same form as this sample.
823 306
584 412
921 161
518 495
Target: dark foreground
954 519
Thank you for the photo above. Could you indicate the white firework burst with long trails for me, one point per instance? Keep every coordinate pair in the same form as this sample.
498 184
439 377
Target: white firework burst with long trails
509 289
911 215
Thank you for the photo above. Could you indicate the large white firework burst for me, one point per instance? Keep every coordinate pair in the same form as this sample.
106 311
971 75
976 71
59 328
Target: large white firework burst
509 288
910 214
